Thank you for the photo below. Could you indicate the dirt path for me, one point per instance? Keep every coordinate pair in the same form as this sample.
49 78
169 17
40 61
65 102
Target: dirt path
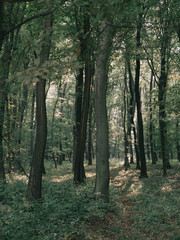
115 223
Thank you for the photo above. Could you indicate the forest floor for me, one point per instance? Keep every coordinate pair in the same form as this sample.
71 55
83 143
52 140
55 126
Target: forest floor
139 209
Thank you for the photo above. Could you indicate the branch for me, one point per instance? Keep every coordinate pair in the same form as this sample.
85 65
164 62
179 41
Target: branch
16 159
27 20
16 1
151 65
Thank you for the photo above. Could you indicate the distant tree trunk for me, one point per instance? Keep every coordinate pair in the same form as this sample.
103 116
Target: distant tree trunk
126 161
138 103
62 154
131 151
22 107
35 179
79 173
78 104
4 73
153 154
90 136
9 140
132 111
52 124
1 24
126 144
162 112
102 141
32 122
2 106
177 140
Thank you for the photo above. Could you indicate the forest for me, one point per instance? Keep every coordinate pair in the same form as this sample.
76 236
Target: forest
90 119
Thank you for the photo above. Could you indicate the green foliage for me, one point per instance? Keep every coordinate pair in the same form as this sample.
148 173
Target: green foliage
64 209
139 209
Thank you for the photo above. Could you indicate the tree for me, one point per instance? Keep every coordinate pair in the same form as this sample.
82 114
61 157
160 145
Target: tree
82 113
151 126
164 54
4 73
138 101
102 141
35 179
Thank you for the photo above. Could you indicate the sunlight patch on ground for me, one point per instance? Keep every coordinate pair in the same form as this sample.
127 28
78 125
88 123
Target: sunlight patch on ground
61 178
166 188
90 175
128 181
136 188
11 178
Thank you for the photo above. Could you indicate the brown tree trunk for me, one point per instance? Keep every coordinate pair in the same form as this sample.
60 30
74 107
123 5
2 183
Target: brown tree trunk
143 172
102 141
132 111
90 136
177 141
35 179
21 110
4 73
153 154
1 23
79 173
52 124
32 123
126 145
62 154
162 112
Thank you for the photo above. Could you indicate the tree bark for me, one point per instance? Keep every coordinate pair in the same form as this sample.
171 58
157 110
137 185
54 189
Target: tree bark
162 112
102 141
1 23
143 172
22 107
177 141
132 111
90 136
32 123
35 179
52 124
79 173
4 73
126 145
153 153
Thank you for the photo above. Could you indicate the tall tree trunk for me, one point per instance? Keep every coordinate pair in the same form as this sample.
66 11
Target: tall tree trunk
32 122
177 141
22 108
2 106
62 154
102 141
35 179
1 23
143 172
132 111
52 124
4 73
79 173
153 154
90 136
162 112
126 145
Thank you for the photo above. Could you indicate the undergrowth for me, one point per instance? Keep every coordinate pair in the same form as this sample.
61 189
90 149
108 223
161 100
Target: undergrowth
138 209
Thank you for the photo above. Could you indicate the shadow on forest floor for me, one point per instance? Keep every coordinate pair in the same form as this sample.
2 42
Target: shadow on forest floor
141 209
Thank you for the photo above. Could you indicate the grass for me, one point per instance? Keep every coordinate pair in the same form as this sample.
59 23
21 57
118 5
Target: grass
139 208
